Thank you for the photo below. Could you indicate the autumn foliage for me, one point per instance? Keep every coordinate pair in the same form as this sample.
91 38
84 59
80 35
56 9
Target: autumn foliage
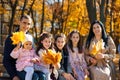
17 37
62 15
51 57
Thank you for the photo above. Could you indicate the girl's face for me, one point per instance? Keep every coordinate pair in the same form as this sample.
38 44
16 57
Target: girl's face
60 42
75 38
46 43
27 45
25 24
97 29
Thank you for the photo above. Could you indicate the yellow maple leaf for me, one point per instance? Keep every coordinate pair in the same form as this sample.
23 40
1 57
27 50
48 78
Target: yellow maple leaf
94 50
51 57
97 47
17 37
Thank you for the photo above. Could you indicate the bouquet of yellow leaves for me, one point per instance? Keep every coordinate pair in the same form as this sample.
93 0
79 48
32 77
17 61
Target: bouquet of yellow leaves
17 37
51 57
96 48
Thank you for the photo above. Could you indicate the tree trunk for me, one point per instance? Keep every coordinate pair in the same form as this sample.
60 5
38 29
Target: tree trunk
42 19
67 14
102 11
24 6
91 8
34 27
30 10
52 23
13 7
61 20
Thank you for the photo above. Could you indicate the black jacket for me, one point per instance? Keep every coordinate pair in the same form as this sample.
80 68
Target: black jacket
8 61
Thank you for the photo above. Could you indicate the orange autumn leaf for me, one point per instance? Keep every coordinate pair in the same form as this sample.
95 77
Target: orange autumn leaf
58 57
94 50
17 37
51 57
97 47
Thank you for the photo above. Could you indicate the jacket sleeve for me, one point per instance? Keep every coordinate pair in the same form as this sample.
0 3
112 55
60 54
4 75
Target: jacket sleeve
111 50
8 61
15 54
87 56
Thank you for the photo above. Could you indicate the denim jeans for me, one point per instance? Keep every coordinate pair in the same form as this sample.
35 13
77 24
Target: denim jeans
36 76
41 75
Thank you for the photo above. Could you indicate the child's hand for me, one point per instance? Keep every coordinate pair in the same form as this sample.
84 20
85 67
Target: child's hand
35 60
99 56
75 74
86 72
57 66
103 50
93 61
18 46
15 78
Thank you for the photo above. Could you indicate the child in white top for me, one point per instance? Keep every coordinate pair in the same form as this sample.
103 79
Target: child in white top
45 42
24 56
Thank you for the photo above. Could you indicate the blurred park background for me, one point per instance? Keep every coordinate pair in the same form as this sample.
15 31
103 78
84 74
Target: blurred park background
60 16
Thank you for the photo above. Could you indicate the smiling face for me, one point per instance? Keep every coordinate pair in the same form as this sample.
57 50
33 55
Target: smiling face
25 24
75 38
27 45
97 30
60 42
46 43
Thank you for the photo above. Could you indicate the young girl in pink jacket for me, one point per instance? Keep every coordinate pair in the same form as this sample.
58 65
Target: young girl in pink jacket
24 56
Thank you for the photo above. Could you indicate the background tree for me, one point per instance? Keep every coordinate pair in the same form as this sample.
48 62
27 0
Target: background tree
58 16
13 5
98 9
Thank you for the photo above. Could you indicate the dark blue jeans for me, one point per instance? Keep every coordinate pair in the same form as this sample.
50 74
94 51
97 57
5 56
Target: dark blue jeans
36 76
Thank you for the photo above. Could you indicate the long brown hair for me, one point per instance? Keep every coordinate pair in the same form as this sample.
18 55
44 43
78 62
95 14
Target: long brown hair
41 38
79 45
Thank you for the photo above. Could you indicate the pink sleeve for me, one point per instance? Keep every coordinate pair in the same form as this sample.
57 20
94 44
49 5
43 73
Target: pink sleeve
36 57
15 54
